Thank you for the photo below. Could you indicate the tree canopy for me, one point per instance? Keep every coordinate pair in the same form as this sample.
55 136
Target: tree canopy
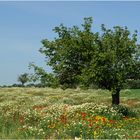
23 78
78 56
70 52
114 60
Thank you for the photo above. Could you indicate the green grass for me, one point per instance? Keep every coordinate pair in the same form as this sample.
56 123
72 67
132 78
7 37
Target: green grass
65 114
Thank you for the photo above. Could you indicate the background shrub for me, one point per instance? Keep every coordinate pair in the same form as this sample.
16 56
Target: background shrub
132 84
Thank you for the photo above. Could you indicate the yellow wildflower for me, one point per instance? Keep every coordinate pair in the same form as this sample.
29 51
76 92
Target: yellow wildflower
94 134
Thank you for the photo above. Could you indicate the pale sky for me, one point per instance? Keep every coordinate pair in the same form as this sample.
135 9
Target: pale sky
24 24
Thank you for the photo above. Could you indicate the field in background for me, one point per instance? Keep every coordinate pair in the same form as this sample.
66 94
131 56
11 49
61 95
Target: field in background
49 96
73 113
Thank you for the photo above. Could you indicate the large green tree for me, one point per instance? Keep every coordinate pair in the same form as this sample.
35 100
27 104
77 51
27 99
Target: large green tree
79 56
115 60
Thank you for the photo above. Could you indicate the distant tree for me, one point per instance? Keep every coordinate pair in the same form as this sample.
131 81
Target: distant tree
113 61
23 78
43 78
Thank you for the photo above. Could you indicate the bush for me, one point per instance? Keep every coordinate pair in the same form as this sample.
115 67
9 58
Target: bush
125 111
133 84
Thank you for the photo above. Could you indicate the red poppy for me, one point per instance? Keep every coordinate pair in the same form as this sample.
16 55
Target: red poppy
111 121
97 127
90 125
63 118
104 120
83 114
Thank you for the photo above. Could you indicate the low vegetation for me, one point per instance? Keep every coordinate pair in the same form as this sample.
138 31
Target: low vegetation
46 113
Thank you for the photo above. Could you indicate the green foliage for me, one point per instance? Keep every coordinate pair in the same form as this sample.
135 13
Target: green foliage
23 78
67 54
45 79
125 111
113 60
108 58
127 91
80 57
133 84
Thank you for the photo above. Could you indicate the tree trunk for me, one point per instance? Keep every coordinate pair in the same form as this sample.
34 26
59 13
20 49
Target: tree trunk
22 84
116 97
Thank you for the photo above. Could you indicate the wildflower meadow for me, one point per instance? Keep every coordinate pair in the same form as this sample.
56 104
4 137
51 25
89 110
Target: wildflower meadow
45 113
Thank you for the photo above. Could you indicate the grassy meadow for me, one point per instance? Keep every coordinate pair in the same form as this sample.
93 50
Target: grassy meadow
46 113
